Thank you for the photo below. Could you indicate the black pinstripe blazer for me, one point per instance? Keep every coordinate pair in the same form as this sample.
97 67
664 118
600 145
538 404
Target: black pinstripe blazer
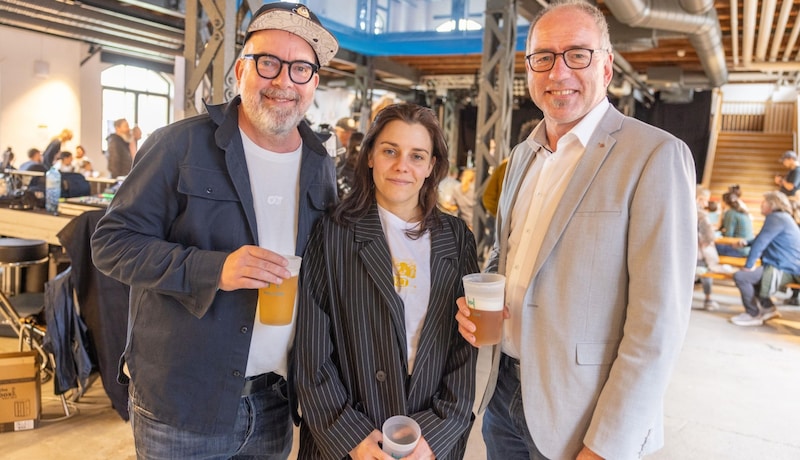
350 344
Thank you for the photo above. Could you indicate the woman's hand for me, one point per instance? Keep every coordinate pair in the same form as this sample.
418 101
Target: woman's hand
369 449
421 452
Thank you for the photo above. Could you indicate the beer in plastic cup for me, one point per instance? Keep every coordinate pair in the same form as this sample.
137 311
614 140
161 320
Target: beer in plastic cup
400 435
276 301
485 294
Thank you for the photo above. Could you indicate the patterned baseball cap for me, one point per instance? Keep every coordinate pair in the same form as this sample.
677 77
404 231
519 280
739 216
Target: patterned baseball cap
299 20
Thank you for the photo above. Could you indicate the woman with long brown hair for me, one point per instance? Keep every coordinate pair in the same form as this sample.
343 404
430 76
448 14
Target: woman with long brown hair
376 332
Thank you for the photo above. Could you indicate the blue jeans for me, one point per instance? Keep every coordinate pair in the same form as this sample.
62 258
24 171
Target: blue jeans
263 430
505 431
749 284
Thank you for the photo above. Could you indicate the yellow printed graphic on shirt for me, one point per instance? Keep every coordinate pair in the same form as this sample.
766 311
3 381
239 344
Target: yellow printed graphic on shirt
404 273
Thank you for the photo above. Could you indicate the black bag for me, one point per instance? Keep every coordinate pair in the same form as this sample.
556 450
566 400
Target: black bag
74 184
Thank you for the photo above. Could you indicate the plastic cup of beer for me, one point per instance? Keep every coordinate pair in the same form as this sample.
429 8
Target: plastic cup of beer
400 435
485 294
276 301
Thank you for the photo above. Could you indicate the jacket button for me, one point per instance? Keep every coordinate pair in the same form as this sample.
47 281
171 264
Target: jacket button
209 190
380 376
237 374
243 330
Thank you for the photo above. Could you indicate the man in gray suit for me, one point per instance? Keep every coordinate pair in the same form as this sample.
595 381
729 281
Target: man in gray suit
596 234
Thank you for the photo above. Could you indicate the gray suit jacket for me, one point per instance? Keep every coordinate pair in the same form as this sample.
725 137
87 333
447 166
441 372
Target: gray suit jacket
350 343
612 288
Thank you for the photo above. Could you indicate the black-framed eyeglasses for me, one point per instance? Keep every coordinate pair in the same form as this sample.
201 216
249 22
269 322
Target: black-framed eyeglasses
269 67
575 58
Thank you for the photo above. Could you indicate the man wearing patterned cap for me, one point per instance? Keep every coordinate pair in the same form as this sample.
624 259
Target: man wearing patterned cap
200 224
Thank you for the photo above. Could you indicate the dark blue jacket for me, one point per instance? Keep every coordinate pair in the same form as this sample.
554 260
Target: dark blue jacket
777 244
185 206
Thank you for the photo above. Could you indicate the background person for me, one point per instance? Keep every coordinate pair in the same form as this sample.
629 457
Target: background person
595 327
380 279
707 257
122 148
788 183
50 154
494 185
64 162
34 162
345 127
82 163
736 223
778 247
345 172
447 189
197 227
464 195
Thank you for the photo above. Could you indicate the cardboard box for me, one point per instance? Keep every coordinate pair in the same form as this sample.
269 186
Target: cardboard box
20 391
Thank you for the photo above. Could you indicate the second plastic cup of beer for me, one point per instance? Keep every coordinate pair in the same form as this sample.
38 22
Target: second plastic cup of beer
400 435
276 301
485 294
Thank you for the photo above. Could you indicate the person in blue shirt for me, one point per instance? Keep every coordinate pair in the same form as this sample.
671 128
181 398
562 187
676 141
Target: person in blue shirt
778 247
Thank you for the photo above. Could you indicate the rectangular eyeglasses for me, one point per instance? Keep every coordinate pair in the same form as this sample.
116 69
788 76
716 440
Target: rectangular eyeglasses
575 58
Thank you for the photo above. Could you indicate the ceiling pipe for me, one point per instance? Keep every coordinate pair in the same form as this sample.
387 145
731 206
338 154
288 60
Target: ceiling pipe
780 29
735 31
765 28
702 27
749 13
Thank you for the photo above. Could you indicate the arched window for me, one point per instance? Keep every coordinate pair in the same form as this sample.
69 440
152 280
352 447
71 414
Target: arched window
141 96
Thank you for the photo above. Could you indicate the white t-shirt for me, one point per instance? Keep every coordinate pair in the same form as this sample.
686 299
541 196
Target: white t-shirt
275 184
411 263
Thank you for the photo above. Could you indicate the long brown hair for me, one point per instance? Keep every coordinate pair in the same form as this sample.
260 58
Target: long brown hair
357 203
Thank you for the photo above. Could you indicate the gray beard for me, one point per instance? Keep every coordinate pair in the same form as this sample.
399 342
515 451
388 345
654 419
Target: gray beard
276 122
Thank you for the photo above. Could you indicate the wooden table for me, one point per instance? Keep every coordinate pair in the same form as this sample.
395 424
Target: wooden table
32 224
729 240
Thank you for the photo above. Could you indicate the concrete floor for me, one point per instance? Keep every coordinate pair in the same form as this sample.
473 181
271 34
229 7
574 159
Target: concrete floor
735 395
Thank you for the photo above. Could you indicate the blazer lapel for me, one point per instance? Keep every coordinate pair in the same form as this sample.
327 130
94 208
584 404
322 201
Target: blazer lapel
444 255
377 259
597 150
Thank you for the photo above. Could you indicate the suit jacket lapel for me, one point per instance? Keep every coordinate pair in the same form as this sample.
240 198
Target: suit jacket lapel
444 255
377 259
597 150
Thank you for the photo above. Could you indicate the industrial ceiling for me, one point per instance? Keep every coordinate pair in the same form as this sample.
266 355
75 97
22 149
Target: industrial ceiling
669 45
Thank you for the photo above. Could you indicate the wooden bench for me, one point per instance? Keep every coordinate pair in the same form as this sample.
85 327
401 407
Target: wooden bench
736 262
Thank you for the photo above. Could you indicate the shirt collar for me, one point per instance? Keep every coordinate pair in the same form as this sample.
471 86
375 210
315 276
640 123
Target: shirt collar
585 128
582 131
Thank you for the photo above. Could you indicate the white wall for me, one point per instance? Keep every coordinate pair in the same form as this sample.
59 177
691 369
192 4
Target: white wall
758 92
92 112
34 109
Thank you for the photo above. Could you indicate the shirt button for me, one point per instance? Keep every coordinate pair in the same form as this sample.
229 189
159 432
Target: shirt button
380 376
243 330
